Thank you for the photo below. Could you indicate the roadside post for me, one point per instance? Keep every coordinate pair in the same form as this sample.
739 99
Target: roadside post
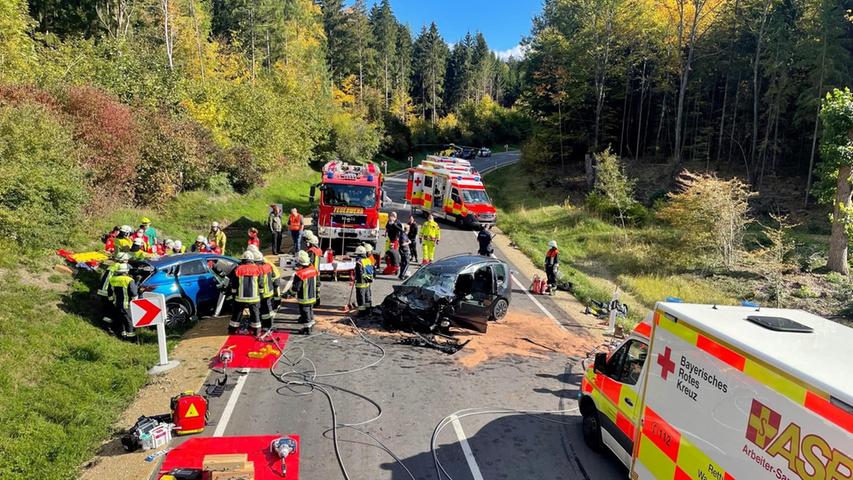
411 160
150 311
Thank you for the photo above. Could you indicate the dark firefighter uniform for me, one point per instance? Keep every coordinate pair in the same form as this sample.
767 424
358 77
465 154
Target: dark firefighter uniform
123 289
245 285
315 255
266 284
304 288
363 280
552 263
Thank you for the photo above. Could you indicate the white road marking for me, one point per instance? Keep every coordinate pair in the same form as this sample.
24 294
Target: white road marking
466 449
537 303
229 407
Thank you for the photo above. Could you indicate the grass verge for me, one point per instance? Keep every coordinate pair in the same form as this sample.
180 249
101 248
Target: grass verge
63 379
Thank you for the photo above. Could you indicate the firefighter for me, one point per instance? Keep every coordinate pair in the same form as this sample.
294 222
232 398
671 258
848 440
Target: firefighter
552 264
368 253
123 289
305 287
217 235
295 226
393 230
123 242
121 258
363 279
178 247
430 237
266 287
413 237
315 255
138 251
200 245
245 287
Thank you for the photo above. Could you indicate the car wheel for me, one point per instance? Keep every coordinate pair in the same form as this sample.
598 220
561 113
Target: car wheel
177 313
460 221
591 427
499 309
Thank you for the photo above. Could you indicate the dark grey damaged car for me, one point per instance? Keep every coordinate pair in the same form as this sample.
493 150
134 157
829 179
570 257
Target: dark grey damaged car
464 291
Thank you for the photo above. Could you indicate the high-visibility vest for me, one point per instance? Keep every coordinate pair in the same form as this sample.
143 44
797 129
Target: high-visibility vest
120 286
104 291
363 273
305 285
248 283
315 254
430 231
266 280
123 244
294 222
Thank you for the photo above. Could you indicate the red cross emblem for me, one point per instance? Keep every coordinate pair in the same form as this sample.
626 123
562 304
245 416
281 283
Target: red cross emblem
666 364
417 182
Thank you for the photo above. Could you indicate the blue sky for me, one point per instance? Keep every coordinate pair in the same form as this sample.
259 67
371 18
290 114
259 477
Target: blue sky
503 22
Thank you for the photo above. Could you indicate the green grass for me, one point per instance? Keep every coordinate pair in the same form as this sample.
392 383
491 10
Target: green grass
63 379
596 256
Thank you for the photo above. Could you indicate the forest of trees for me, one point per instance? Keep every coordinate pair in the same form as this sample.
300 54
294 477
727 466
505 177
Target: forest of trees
727 84
107 103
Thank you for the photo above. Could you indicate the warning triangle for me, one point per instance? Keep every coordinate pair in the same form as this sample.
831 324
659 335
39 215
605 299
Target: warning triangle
191 412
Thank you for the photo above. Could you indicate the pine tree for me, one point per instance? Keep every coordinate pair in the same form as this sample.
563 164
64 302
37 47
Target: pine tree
384 27
337 41
362 55
430 56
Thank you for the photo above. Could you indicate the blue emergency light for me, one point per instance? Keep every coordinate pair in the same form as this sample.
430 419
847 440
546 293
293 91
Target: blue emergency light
370 178
330 175
673 300
747 303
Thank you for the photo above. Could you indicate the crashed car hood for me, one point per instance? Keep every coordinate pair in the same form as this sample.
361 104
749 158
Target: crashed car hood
422 298
423 308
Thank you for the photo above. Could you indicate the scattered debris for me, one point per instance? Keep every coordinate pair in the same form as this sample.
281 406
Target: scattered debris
449 345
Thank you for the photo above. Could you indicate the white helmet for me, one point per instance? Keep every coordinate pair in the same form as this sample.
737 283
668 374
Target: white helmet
169 243
552 244
123 268
303 259
123 257
248 255
179 244
214 225
253 248
368 248
126 229
201 239
138 241
259 257
360 251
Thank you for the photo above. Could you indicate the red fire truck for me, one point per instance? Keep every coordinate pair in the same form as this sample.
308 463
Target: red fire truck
350 198
451 189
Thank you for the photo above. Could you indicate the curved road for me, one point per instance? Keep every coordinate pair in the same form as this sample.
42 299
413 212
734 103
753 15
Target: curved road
416 388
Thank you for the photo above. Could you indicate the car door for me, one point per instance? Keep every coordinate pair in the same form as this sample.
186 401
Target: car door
197 283
474 303
618 400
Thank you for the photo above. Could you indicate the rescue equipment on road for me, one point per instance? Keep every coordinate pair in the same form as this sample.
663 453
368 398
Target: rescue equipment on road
724 392
189 413
451 189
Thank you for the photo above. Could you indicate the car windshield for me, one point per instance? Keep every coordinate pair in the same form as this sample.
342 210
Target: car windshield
337 195
475 196
433 276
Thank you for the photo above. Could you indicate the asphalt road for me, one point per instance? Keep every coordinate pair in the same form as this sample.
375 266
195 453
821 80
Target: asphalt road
416 388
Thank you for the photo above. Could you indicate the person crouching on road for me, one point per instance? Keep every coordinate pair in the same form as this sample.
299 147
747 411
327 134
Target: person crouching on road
267 288
552 264
123 289
245 286
405 252
305 287
430 237
363 280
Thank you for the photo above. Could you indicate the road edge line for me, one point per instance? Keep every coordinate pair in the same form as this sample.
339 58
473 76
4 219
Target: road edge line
538 303
466 448
229 407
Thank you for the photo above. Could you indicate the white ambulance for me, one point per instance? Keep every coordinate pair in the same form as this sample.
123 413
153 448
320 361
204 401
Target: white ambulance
710 392
450 188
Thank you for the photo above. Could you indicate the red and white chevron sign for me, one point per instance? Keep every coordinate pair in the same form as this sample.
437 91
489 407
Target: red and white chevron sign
148 311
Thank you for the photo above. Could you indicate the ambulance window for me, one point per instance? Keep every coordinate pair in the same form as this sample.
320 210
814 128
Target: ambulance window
428 182
626 363
454 195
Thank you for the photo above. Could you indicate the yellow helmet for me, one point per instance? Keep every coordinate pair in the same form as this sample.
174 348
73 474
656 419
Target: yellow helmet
145 220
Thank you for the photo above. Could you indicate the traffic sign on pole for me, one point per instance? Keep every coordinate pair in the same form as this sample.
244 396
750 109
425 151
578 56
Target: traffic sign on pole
150 311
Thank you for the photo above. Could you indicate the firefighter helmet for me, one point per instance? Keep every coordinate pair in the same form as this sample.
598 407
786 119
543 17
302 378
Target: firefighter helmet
214 225
368 248
552 244
303 259
146 221
248 255
200 239
126 229
259 257
139 241
123 257
360 251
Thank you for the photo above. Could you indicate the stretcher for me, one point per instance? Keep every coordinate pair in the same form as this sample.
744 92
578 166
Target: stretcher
91 259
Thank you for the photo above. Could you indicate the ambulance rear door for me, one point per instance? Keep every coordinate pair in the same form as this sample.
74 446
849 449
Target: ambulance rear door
711 411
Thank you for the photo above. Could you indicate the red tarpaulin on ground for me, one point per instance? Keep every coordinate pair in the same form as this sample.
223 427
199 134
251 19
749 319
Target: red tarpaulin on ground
265 352
190 454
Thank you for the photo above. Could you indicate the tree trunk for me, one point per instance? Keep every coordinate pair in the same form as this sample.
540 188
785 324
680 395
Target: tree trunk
734 120
640 113
560 119
723 118
624 111
167 32
755 92
816 121
839 240
679 112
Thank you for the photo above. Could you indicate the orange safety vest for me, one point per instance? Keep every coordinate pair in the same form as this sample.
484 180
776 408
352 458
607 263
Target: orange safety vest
295 222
